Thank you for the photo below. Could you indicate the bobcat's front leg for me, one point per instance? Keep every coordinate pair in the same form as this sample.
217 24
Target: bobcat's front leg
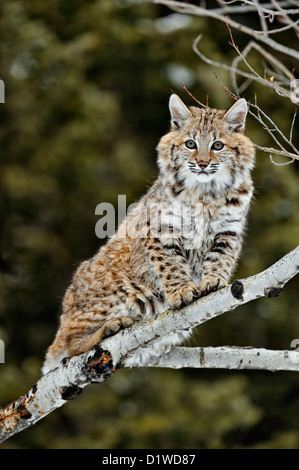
219 262
174 272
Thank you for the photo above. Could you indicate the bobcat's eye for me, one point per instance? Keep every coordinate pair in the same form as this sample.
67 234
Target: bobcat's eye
190 144
217 145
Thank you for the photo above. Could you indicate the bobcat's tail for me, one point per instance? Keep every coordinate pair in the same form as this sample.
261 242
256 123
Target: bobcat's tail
56 352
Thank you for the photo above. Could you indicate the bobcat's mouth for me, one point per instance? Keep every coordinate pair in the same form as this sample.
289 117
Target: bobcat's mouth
206 171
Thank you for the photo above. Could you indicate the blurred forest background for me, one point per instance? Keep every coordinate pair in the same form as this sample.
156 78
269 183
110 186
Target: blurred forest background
87 85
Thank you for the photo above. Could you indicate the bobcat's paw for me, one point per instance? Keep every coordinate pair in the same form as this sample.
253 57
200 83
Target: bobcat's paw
210 284
183 296
115 324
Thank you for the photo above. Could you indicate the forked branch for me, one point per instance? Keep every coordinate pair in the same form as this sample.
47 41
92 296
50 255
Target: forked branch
68 380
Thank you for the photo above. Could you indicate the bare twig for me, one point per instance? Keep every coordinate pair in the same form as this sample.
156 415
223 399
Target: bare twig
261 16
220 15
254 76
192 96
258 117
250 7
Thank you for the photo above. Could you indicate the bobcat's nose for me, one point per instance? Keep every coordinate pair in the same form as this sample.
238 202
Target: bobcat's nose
202 164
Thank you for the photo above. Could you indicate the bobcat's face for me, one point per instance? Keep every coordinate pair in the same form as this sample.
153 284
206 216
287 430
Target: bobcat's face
206 157
203 162
206 146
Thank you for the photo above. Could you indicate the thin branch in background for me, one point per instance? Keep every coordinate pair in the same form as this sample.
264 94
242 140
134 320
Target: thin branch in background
261 17
220 15
225 89
281 163
260 113
292 125
284 28
284 17
250 7
193 97
255 76
280 91
250 76
258 117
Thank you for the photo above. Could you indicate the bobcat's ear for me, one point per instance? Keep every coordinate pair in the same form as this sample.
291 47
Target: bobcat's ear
236 115
178 111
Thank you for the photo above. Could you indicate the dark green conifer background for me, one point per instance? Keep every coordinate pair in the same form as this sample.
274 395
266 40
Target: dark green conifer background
86 100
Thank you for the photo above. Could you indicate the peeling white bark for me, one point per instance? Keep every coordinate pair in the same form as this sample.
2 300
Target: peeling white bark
68 380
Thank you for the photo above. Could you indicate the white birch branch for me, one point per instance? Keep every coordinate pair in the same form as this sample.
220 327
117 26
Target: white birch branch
228 357
68 380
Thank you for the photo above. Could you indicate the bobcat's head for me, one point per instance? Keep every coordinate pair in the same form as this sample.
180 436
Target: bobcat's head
206 148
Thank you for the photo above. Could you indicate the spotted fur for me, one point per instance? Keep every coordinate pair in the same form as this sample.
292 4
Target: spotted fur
181 242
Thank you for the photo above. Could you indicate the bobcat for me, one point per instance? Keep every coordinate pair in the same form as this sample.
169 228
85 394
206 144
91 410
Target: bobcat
180 242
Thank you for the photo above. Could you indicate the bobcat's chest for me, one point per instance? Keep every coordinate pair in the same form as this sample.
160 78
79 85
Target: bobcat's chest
200 224
199 239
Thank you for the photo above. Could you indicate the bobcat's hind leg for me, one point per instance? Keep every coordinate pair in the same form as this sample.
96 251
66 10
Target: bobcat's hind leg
78 344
